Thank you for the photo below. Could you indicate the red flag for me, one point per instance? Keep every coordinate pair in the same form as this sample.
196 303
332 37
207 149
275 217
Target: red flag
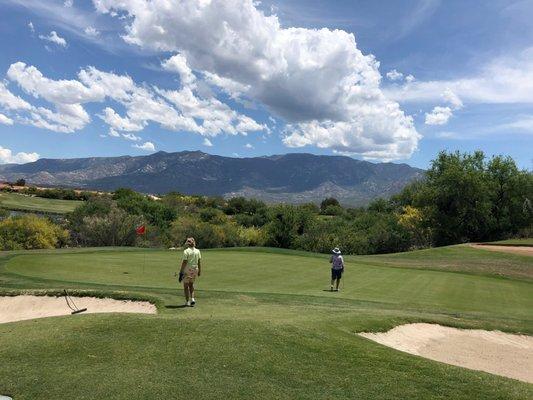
140 230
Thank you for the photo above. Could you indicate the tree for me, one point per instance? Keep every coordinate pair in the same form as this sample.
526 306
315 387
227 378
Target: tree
509 189
414 221
287 222
457 194
154 211
99 222
20 182
330 201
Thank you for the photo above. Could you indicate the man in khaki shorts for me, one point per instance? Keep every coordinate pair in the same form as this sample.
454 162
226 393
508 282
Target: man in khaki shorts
191 267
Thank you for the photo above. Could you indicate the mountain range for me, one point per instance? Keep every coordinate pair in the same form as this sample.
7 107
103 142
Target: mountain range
294 178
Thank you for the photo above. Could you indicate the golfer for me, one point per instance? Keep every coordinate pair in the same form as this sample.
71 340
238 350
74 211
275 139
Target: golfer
337 268
191 267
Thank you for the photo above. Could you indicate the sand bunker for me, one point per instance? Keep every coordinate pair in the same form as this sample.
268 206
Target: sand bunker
18 308
490 351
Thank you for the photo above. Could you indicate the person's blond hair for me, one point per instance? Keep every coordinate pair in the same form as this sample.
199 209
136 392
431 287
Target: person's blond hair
190 242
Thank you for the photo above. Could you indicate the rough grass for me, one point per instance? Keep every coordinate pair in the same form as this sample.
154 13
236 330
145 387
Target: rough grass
20 202
263 328
462 258
514 242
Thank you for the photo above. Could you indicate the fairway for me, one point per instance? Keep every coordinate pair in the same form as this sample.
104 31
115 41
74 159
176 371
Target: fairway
20 202
264 322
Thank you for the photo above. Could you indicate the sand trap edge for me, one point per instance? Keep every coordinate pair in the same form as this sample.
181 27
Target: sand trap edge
495 352
26 306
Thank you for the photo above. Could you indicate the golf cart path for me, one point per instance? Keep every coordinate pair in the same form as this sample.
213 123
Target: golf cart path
24 307
522 250
495 352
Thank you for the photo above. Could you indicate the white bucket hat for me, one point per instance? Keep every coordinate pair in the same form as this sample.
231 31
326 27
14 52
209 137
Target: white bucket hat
336 250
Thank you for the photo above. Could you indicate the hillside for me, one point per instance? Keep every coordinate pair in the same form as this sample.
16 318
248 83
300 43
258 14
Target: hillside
292 178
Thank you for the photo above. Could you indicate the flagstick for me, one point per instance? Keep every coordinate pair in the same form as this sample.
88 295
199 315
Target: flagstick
144 260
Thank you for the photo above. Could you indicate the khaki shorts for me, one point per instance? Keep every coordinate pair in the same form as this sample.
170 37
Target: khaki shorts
190 275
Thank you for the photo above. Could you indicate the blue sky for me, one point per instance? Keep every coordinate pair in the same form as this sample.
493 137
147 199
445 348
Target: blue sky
396 80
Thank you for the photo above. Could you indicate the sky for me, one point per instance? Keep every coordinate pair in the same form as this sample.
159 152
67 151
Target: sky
382 81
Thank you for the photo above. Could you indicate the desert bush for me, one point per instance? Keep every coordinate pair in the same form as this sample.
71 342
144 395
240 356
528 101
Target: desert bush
99 222
251 236
31 232
207 235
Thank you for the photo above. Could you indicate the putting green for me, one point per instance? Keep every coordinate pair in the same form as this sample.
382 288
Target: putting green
263 327
270 272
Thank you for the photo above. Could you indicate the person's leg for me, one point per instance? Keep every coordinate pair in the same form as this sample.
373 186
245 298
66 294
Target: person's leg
191 292
186 290
337 283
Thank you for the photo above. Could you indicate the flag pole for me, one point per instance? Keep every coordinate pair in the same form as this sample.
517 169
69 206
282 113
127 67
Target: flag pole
140 231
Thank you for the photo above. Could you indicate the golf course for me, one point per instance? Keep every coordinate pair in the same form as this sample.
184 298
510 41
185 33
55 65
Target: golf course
26 203
265 325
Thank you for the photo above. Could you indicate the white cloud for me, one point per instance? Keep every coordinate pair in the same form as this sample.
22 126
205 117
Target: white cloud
506 79
309 77
131 136
68 3
7 157
207 143
249 146
119 123
146 146
439 116
5 120
91 31
67 118
30 25
32 81
178 63
54 38
524 123
229 86
451 98
394 75
113 133
11 102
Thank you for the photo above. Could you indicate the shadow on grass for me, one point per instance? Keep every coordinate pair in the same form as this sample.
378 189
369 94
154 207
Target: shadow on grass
174 307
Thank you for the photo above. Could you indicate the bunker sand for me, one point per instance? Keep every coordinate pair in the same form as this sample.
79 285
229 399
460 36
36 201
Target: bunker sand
19 308
495 352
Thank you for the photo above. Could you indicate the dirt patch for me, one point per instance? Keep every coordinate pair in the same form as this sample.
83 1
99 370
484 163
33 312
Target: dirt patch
490 351
18 308
523 250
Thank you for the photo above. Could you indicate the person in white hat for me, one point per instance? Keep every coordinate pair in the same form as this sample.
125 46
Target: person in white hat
337 268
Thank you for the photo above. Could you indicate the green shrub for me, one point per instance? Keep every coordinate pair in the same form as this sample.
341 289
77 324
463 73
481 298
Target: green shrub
99 222
207 235
31 232
251 236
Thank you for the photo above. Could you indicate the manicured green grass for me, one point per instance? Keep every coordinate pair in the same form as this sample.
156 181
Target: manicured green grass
265 272
263 327
514 242
462 258
20 202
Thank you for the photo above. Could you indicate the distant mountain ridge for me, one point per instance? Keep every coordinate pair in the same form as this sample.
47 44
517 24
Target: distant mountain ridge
294 177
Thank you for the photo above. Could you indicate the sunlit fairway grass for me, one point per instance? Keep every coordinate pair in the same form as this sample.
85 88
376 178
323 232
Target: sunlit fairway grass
263 328
19 202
